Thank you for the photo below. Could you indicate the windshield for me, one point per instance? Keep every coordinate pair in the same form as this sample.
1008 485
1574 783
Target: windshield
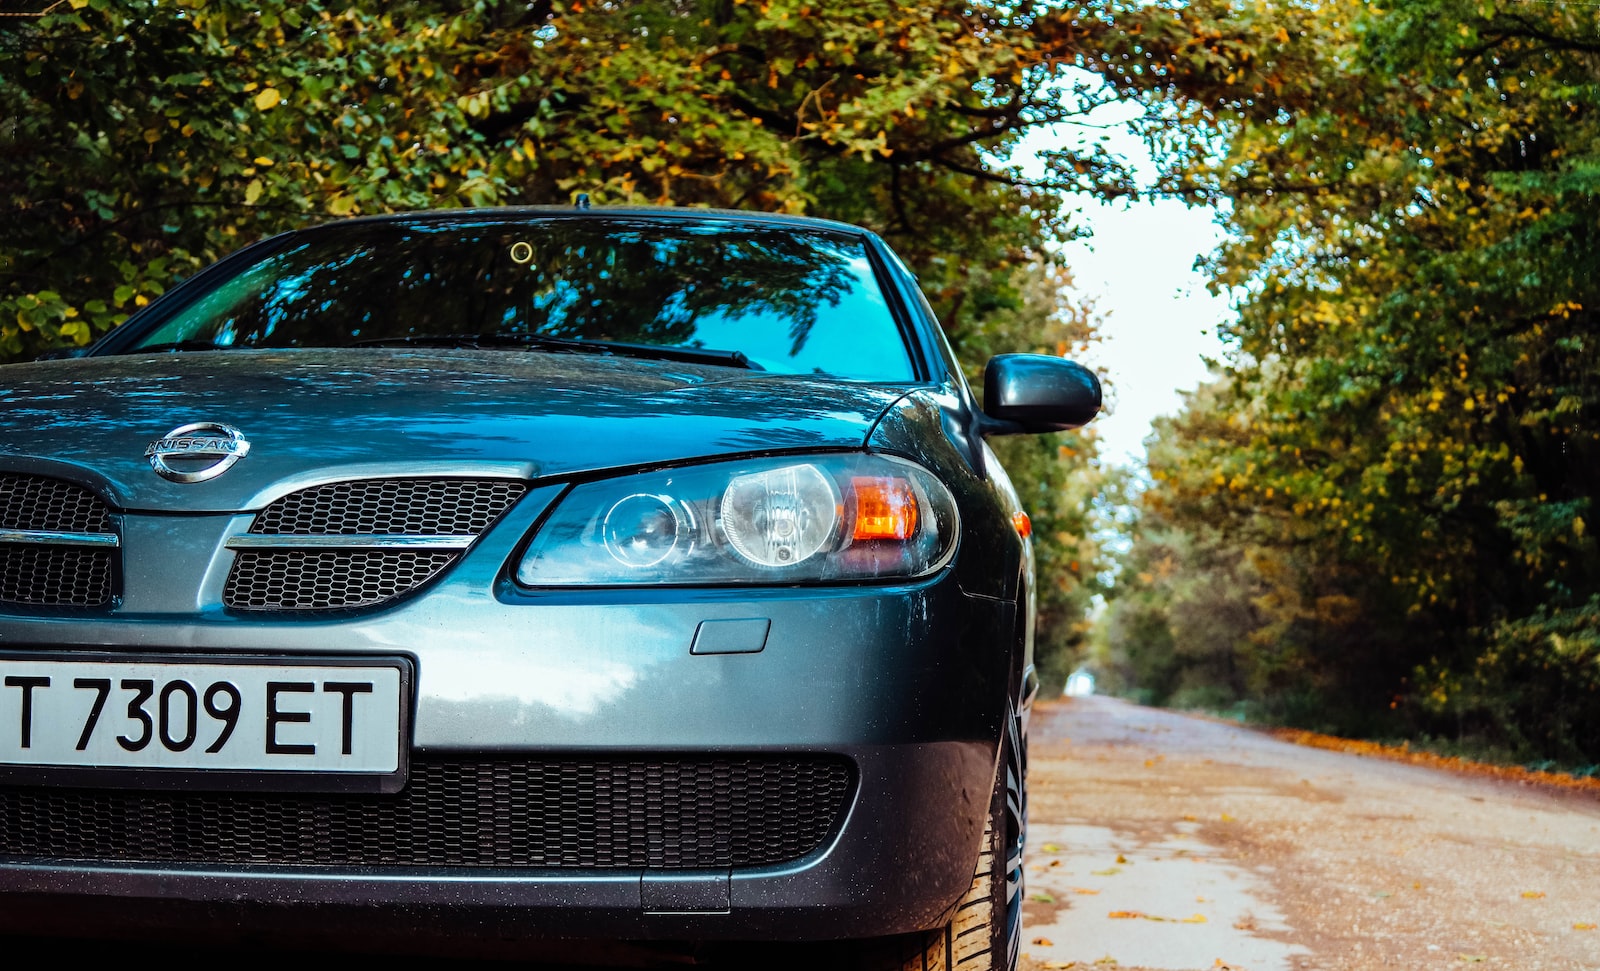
790 300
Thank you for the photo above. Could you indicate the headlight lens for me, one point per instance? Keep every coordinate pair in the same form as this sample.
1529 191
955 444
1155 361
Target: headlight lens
786 520
642 531
780 517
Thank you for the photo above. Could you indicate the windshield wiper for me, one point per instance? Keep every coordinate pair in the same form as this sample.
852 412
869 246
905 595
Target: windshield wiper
650 352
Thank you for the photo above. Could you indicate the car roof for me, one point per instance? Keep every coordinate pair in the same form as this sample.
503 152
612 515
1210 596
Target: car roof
665 214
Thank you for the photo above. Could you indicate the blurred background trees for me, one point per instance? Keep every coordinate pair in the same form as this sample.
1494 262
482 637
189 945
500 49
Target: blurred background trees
1385 497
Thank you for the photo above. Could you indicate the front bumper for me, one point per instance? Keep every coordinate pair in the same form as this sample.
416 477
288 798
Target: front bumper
907 682
899 862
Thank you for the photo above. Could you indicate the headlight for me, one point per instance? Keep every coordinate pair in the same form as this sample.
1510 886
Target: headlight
801 519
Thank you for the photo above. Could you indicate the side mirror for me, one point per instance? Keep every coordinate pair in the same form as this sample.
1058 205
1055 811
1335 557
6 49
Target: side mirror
1038 393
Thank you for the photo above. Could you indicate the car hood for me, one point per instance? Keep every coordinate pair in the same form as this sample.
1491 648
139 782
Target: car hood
316 414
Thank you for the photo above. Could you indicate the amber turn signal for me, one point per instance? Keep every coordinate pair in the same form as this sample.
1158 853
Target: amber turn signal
1023 523
886 508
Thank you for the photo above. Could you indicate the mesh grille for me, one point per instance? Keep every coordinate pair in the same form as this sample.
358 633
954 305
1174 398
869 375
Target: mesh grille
666 814
449 507
305 579
53 576
327 579
31 502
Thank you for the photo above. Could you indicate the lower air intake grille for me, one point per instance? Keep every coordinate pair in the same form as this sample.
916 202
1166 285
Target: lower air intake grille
553 813
327 580
55 576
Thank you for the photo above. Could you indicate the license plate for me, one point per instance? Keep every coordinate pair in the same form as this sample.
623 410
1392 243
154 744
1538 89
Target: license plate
186 720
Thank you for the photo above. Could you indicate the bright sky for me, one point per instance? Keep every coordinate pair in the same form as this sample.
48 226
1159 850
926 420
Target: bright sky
1159 321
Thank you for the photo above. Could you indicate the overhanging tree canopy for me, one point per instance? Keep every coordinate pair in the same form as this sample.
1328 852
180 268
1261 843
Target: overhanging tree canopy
142 140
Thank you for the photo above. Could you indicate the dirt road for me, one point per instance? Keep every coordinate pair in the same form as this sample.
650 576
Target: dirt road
1161 841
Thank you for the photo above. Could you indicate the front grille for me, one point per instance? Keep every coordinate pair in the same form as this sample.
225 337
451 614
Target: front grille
379 516
327 580
55 576
552 813
36 503
61 573
423 507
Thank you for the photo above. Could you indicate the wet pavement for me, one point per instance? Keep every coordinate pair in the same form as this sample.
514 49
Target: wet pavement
1174 901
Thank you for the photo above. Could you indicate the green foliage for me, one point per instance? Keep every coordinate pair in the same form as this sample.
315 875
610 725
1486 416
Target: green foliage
1537 681
1222 599
1407 434
139 141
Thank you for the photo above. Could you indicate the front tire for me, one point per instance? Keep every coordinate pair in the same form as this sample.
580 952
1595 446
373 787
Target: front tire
985 933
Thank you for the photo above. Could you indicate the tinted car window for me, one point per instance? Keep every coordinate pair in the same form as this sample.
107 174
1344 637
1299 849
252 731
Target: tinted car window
791 300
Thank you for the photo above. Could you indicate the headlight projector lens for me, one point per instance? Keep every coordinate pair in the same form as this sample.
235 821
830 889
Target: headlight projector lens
781 517
641 530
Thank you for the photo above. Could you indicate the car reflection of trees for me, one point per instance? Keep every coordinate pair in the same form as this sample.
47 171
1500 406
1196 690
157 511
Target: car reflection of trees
444 402
644 284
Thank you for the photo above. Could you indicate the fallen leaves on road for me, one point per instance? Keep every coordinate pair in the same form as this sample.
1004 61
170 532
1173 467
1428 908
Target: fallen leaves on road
1403 753
1044 942
1085 891
1141 915
1532 894
1583 927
